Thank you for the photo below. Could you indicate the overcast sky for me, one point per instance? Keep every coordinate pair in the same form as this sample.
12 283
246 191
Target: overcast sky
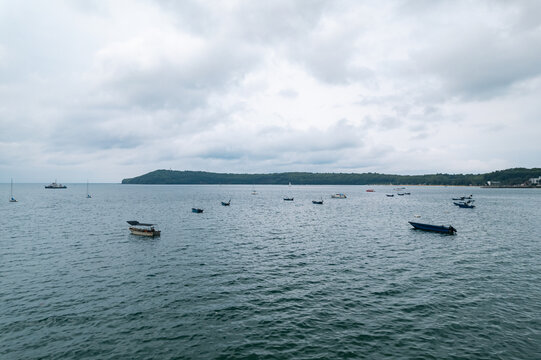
104 90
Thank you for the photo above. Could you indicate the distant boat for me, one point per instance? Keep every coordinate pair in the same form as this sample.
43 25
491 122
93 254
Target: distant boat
434 228
87 193
463 197
288 199
11 198
197 211
55 185
407 193
226 203
141 229
389 195
400 194
254 192
339 196
370 190
317 202
466 205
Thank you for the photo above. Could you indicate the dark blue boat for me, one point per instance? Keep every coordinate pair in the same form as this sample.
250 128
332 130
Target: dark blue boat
434 228
288 199
317 202
198 211
226 203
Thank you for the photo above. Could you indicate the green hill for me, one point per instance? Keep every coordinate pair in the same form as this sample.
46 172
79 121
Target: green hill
516 176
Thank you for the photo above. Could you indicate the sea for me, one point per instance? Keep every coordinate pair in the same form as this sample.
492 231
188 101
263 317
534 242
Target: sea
269 279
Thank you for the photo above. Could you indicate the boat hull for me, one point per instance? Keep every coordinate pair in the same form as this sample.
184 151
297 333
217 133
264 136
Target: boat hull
197 211
433 228
145 232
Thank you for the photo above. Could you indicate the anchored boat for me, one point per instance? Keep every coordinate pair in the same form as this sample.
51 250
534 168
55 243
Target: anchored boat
433 228
142 229
339 196
55 185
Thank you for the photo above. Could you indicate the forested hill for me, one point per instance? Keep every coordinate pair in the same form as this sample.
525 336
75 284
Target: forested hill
514 176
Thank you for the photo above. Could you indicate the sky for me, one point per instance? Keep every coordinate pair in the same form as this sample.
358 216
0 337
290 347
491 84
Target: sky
106 90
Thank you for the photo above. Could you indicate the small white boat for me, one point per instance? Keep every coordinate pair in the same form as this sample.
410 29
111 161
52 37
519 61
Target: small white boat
141 229
55 185
339 196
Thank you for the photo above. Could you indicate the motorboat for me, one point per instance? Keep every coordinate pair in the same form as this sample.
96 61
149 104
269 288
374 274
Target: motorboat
433 228
55 185
143 229
197 210
339 196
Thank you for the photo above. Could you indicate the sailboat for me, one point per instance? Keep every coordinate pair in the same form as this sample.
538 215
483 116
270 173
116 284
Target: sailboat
11 198
289 198
87 193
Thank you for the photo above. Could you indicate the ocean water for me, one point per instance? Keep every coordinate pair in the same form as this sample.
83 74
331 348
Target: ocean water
269 279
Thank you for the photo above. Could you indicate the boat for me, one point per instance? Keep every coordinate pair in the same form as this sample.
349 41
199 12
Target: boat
434 228
87 193
389 195
254 192
142 229
197 210
407 193
463 197
339 196
400 194
370 190
226 203
55 185
288 199
318 202
466 205
11 198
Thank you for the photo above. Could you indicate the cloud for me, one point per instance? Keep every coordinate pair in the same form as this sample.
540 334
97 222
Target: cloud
399 86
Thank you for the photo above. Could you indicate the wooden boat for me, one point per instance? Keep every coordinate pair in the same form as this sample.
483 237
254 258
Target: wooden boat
318 202
466 205
142 229
288 199
55 185
434 228
197 211
226 203
339 196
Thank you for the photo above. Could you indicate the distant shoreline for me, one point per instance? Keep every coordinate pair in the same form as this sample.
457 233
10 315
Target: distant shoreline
517 177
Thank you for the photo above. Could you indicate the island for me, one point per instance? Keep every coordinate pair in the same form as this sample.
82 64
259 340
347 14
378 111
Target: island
516 177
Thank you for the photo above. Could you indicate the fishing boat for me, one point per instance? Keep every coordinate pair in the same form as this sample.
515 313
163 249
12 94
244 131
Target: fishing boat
466 205
317 202
11 198
142 229
226 203
463 197
288 199
55 185
339 196
434 228
197 210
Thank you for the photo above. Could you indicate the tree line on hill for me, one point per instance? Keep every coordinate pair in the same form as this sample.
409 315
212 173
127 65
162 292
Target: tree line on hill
509 177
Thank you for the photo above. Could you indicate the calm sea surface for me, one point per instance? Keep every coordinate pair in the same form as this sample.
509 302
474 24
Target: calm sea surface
269 279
